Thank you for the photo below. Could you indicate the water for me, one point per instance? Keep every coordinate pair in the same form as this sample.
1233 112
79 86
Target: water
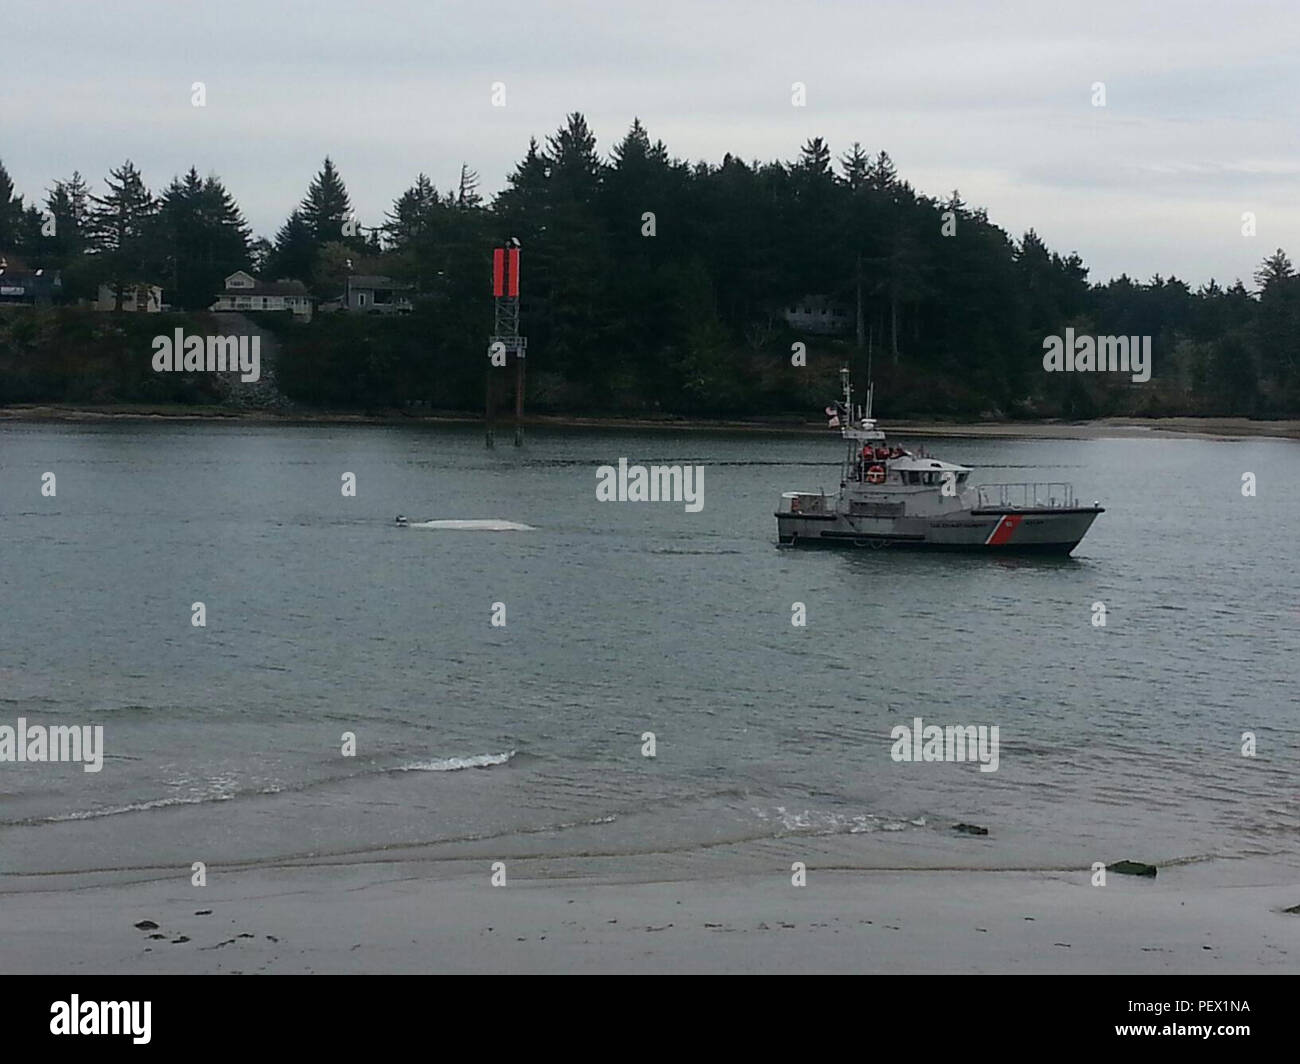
223 743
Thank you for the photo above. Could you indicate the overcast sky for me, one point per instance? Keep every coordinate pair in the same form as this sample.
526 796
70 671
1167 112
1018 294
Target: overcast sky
1200 123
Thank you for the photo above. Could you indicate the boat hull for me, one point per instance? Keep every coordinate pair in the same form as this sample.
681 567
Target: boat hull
1046 530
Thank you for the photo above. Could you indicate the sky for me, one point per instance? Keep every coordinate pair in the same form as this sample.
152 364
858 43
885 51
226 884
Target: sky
994 99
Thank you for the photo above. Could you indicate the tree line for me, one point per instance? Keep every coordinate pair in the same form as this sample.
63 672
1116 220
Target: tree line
657 284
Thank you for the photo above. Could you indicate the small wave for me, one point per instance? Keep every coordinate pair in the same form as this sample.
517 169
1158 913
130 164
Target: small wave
25 702
227 791
136 807
823 822
454 764
222 790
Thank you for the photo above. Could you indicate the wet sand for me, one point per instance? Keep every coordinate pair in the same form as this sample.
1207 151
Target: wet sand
396 917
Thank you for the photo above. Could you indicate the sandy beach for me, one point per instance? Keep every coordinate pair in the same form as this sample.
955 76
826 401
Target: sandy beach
399 918
1221 428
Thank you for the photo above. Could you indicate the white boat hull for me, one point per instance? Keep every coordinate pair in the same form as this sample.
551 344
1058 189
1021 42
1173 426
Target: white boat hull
1047 530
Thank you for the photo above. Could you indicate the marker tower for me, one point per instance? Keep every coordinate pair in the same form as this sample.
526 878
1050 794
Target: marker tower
505 331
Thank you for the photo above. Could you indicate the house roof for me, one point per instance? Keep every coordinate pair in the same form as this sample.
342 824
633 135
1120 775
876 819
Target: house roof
278 288
268 288
820 302
375 281
40 276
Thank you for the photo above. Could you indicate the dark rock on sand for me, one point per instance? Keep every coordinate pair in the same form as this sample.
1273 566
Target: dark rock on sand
146 925
970 829
1132 868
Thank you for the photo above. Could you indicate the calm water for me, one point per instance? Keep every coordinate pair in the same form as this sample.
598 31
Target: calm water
223 743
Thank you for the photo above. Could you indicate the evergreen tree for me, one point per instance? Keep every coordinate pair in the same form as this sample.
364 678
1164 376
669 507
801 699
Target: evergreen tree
569 258
882 176
295 251
1277 329
814 224
326 207
641 180
203 238
815 162
259 255
11 213
855 165
68 203
411 214
1274 269
467 197
523 205
575 167
120 228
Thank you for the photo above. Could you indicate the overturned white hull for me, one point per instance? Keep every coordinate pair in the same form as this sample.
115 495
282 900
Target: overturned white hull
491 525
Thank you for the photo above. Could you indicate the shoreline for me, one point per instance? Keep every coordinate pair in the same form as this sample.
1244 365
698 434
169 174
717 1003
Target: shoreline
405 917
1211 428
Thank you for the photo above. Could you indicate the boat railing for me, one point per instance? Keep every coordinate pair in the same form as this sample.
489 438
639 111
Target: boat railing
1027 495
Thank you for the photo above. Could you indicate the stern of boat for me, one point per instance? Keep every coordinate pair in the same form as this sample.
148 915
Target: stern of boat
803 514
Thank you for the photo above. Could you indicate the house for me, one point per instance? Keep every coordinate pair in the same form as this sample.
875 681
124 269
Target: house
136 297
819 314
375 295
23 287
246 292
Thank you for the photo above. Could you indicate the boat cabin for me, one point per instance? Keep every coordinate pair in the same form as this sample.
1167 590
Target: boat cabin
898 468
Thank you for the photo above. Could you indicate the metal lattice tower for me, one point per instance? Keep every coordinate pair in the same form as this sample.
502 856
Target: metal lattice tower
505 331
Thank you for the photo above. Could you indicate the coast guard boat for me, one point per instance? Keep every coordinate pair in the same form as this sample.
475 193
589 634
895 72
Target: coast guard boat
890 497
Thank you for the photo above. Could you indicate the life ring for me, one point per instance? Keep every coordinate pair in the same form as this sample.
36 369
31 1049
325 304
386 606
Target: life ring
876 474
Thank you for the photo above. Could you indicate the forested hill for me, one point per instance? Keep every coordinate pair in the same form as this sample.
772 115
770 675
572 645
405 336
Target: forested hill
654 284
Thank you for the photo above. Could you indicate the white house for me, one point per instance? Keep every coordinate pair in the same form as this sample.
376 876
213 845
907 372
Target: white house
819 314
246 292
139 298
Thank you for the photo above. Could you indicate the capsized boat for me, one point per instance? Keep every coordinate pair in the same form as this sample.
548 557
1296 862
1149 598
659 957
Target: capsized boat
890 497
489 525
